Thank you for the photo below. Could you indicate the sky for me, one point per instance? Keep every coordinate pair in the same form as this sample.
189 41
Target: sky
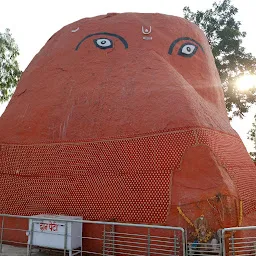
32 23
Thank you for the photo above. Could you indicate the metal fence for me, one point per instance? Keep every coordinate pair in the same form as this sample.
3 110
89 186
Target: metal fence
239 241
212 248
97 238
116 239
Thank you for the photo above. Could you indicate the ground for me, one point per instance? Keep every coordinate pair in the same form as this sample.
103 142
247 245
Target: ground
9 250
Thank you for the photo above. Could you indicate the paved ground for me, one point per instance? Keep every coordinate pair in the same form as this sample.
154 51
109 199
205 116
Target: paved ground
9 250
13 251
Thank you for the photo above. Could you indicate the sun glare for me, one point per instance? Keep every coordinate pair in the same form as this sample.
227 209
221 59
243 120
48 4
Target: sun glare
246 82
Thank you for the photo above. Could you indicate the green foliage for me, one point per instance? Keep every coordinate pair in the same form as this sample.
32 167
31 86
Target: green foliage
9 68
252 137
225 38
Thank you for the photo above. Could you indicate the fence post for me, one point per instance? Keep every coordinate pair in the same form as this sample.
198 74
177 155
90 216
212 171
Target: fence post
104 240
184 242
81 253
113 239
223 242
148 244
31 232
219 235
175 245
65 237
233 245
2 233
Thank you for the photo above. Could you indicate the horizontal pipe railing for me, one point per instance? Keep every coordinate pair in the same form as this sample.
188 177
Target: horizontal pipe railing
248 246
96 222
241 238
139 235
239 245
113 241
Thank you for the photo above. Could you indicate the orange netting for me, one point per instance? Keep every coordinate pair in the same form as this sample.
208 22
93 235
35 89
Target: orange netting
122 179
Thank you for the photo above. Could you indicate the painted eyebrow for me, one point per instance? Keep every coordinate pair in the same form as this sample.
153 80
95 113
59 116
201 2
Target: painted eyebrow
103 33
181 39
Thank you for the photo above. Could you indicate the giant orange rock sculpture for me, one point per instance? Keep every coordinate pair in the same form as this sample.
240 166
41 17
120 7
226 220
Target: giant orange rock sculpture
122 117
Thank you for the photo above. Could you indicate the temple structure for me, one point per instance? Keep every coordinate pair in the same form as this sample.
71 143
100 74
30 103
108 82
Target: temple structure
121 117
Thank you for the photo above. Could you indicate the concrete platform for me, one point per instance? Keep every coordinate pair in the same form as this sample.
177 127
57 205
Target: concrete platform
9 250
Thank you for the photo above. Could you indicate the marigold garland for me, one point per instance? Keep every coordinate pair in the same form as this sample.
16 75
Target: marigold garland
240 219
205 239
209 234
197 234
185 217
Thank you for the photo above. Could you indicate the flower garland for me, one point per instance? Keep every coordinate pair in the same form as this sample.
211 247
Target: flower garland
240 220
209 234
185 217
204 239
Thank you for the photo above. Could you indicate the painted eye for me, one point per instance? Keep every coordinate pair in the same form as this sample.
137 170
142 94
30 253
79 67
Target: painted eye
103 43
188 50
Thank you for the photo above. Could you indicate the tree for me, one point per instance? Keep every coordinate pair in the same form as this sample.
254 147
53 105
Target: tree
9 68
225 38
252 137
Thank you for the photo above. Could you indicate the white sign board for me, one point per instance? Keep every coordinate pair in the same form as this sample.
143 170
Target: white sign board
55 233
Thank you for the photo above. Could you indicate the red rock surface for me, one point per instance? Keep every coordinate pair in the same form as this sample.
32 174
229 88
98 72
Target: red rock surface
126 133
